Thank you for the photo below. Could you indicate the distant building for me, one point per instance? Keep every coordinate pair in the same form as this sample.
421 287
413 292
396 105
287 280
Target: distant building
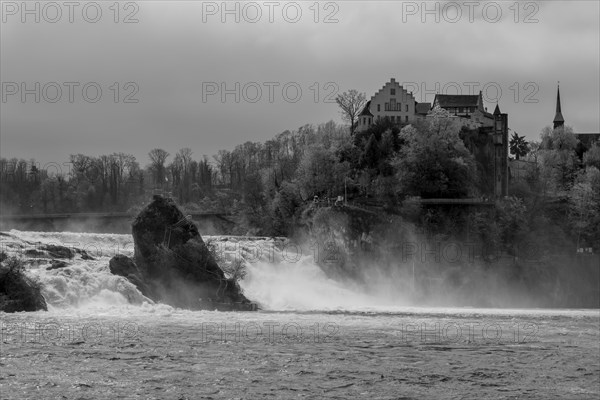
365 118
558 117
422 109
519 169
500 138
468 108
394 102
587 140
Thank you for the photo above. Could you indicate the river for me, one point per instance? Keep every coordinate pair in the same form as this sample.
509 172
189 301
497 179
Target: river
314 337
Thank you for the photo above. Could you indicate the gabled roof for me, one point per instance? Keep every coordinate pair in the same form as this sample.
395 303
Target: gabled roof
393 84
456 100
422 108
366 112
488 115
497 110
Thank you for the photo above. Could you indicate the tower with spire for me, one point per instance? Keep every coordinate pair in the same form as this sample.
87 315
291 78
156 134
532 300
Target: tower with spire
558 118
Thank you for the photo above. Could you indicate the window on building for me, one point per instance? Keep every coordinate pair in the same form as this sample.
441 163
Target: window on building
393 92
406 118
407 108
393 106
378 107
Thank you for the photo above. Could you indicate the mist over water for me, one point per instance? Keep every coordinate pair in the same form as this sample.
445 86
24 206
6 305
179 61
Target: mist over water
346 339
275 280
302 286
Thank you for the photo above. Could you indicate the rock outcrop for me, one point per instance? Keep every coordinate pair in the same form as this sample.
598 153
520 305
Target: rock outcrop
18 292
125 266
56 264
173 265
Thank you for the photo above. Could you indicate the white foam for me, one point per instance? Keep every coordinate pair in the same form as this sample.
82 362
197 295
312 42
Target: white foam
276 282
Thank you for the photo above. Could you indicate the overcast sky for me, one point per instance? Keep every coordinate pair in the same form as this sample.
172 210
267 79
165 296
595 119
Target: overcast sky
175 59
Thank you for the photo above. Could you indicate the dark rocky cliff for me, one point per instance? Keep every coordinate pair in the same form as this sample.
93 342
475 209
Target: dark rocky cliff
173 265
17 291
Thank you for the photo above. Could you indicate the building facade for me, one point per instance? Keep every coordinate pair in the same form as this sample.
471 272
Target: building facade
468 109
394 102
500 137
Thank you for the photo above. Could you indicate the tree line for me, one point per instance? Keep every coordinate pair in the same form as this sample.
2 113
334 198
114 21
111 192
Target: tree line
270 184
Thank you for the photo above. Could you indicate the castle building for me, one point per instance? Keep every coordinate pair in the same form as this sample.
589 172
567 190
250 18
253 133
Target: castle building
394 102
468 109
500 138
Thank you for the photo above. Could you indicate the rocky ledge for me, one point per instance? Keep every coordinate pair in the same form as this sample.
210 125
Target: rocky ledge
18 292
173 265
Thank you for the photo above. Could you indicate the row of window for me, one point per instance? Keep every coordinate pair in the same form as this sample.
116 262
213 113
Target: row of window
461 110
392 106
394 119
398 119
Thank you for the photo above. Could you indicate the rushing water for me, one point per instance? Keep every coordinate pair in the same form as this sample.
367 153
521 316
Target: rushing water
279 277
315 337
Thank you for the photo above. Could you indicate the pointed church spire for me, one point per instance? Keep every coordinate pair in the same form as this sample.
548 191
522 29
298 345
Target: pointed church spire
558 118
497 110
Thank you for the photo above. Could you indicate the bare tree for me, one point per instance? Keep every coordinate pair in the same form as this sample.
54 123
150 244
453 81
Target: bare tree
351 103
157 159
